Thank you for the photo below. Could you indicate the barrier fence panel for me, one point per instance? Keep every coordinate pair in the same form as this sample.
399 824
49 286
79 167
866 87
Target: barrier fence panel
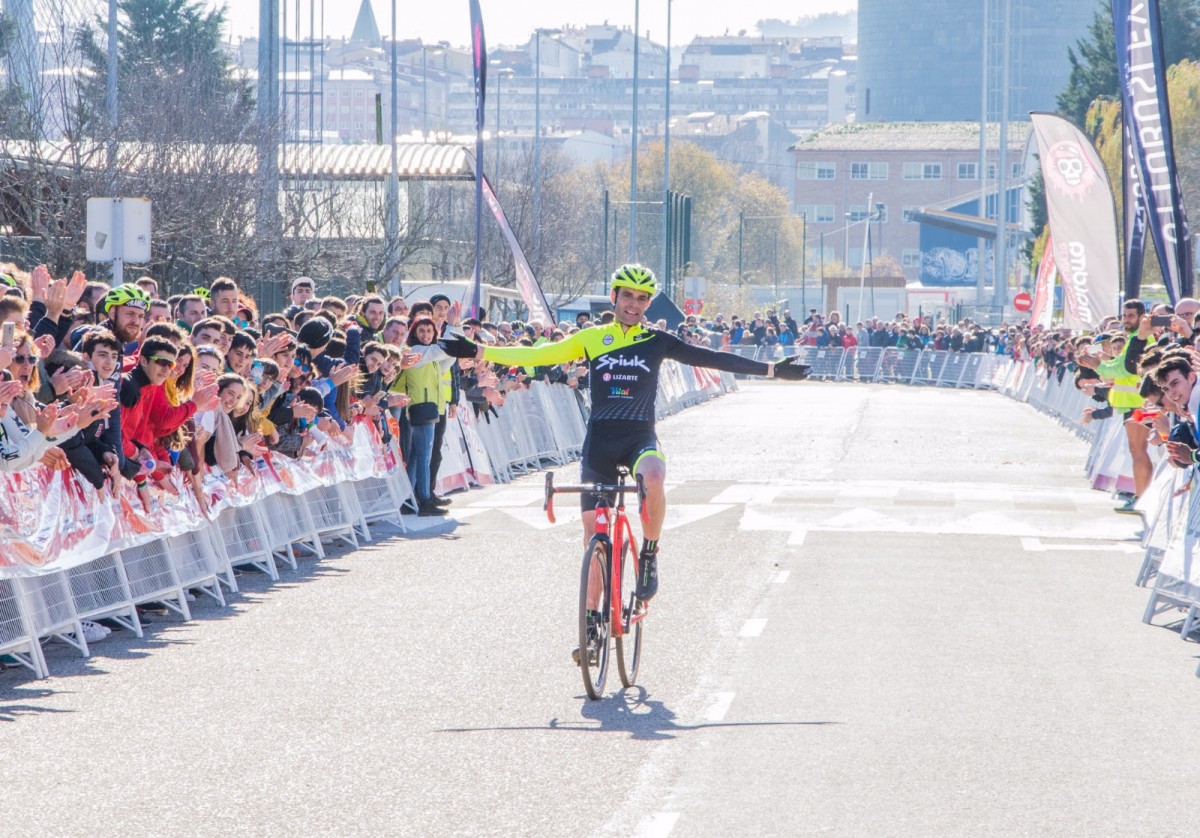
930 364
51 610
100 590
196 566
18 640
152 576
1177 583
290 525
246 540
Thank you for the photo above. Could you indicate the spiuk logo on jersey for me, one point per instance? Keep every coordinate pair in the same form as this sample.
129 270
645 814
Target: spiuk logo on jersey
609 361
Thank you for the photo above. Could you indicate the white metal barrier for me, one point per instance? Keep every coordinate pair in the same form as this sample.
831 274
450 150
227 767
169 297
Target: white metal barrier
544 425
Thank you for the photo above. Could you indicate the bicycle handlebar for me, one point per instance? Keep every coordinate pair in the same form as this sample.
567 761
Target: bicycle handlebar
597 488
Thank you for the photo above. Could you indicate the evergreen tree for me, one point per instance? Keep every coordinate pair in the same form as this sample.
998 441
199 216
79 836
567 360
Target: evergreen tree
1094 58
174 79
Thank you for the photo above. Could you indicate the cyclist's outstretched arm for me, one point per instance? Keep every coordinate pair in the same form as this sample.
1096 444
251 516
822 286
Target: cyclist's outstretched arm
698 356
572 348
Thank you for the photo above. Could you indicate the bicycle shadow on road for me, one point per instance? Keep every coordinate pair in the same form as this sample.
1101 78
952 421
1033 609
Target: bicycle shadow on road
632 711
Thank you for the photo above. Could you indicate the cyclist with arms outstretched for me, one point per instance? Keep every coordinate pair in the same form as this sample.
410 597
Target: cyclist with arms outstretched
625 356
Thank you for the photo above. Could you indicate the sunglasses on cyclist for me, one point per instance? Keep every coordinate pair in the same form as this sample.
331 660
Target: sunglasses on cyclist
163 361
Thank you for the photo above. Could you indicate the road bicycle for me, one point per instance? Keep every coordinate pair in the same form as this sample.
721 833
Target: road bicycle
608 605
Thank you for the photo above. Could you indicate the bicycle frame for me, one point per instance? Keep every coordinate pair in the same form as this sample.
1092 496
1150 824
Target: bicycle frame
612 526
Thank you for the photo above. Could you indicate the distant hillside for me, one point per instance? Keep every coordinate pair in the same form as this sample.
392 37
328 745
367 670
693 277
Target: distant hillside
844 24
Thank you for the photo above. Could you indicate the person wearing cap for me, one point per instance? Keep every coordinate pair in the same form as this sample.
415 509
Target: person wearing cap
126 307
303 290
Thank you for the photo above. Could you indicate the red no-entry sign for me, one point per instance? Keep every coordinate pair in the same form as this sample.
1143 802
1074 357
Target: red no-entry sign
1022 302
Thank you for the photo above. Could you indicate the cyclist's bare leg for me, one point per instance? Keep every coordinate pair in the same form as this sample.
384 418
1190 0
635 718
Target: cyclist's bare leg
653 470
595 582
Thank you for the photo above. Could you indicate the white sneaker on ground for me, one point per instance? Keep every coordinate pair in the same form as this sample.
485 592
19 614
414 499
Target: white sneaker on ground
92 632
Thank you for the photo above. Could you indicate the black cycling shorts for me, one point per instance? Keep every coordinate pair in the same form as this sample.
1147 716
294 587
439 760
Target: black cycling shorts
610 445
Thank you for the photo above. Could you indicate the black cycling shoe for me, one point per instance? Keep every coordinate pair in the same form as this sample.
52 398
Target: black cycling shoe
647 581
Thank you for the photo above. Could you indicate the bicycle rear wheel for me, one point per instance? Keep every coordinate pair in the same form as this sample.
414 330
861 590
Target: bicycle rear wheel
594 624
629 645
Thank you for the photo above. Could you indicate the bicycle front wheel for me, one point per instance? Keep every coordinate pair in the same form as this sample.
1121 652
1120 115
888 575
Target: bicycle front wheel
629 644
594 624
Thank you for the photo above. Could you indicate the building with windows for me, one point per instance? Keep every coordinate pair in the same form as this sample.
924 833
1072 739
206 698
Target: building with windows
923 59
900 167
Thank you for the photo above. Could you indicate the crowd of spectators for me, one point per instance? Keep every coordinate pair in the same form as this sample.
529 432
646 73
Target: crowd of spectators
780 330
123 386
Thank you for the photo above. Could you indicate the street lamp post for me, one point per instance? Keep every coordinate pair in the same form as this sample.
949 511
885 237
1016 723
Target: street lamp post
667 163
804 260
633 143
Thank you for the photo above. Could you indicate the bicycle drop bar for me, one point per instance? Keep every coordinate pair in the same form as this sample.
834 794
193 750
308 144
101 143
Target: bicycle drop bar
597 488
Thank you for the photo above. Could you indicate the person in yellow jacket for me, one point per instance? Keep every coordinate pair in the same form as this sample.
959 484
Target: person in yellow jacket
424 385
1125 396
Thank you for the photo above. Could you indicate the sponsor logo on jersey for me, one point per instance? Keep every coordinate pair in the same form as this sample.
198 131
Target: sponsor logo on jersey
618 391
642 336
609 361
608 339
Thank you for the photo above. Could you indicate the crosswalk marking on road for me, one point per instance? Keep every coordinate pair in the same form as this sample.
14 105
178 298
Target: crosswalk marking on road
753 627
658 825
899 506
718 706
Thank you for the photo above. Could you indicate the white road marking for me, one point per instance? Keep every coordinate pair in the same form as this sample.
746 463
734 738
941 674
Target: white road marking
511 497
748 493
1036 545
781 577
682 514
658 825
753 628
796 539
536 518
718 707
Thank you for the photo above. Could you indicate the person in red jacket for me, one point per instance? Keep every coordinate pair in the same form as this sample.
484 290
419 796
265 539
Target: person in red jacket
142 397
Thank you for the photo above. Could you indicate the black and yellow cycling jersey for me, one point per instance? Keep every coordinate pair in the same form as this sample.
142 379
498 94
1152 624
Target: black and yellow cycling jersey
624 365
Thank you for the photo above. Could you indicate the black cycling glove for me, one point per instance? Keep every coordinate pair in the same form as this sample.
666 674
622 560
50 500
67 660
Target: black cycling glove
458 347
789 370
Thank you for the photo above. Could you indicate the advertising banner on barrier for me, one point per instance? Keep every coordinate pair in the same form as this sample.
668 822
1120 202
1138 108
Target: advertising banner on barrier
1083 221
1142 71
1042 313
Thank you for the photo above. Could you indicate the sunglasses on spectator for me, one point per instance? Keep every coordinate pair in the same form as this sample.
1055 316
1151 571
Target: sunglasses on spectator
24 359
163 361
303 367
240 323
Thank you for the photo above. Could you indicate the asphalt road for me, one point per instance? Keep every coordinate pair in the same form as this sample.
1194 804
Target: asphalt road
883 611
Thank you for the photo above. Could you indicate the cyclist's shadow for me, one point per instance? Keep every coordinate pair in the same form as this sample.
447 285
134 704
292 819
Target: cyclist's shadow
632 711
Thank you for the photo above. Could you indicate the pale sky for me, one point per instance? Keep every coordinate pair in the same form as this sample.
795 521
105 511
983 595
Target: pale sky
510 23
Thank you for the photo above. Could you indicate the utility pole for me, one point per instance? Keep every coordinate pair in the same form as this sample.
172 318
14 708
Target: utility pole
633 143
1000 286
804 260
741 229
392 216
667 164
